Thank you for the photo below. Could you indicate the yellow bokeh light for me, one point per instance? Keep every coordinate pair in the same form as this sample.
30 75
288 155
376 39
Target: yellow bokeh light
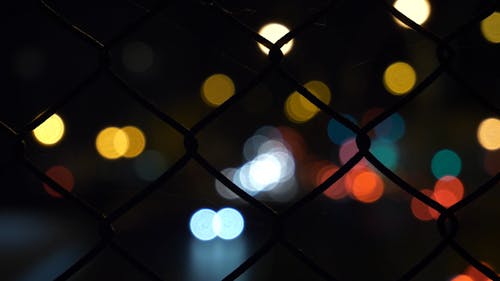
136 141
50 131
273 32
217 89
112 143
490 27
416 10
399 78
488 134
299 109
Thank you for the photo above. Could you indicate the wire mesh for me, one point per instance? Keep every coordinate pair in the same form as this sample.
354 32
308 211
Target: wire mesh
447 224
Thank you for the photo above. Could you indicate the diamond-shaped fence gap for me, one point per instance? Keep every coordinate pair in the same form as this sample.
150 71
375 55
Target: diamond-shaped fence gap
117 267
271 139
362 219
186 85
279 263
42 235
115 154
367 62
160 232
42 67
87 16
455 153
478 227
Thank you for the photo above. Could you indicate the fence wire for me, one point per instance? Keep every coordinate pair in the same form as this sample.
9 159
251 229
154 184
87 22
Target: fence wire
447 223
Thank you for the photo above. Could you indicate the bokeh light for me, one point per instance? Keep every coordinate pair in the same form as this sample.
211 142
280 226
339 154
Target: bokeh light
231 223
392 128
448 190
477 275
217 89
386 152
63 176
419 209
137 57
367 187
150 165
205 224
338 133
136 141
416 10
488 133
490 28
399 78
273 32
202 224
50 131
462 277
112 143
445 162
347 150
299 109
221 189
335 191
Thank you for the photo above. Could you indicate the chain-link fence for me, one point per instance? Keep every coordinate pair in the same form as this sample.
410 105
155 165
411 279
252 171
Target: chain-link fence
274 72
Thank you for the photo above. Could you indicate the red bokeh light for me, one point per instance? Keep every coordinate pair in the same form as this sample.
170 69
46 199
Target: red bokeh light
419 209
63 177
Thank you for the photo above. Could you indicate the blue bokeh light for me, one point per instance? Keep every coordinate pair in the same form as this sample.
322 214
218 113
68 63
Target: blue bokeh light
386 152
202 224
392 128
338 133
231 223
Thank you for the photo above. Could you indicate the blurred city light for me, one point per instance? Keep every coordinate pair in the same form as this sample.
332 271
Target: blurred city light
445 162
273 32
367 187
206 224
50 131
338 133
488 133
462 277
112 143
490 27
419 209
63 176
416 10
392 128
216 89
136 141
399 78
298 109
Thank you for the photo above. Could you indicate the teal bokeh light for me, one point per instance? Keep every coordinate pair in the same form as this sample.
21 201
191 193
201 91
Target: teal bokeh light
445 163
392 128
386 152
338 133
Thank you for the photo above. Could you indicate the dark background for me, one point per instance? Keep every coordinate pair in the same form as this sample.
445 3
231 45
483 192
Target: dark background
348 49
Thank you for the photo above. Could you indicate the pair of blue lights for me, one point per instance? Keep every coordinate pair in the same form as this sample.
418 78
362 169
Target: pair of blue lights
207 224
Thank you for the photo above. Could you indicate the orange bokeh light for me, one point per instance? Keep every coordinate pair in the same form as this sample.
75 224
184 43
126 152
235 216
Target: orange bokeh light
63 177
337 190
448 190
419 209
462 277
367 187
477 275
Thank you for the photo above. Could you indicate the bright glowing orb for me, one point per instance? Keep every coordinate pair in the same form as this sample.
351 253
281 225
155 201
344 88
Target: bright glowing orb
416 10
112 143
445 162
229 223
399 78
488 134
367 187
273 32
217 89
265 171
462 277
202 224
50 131
386 152
136 141
490 28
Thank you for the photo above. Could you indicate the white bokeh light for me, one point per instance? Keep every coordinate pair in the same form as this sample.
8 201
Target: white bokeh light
264 172
230 223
